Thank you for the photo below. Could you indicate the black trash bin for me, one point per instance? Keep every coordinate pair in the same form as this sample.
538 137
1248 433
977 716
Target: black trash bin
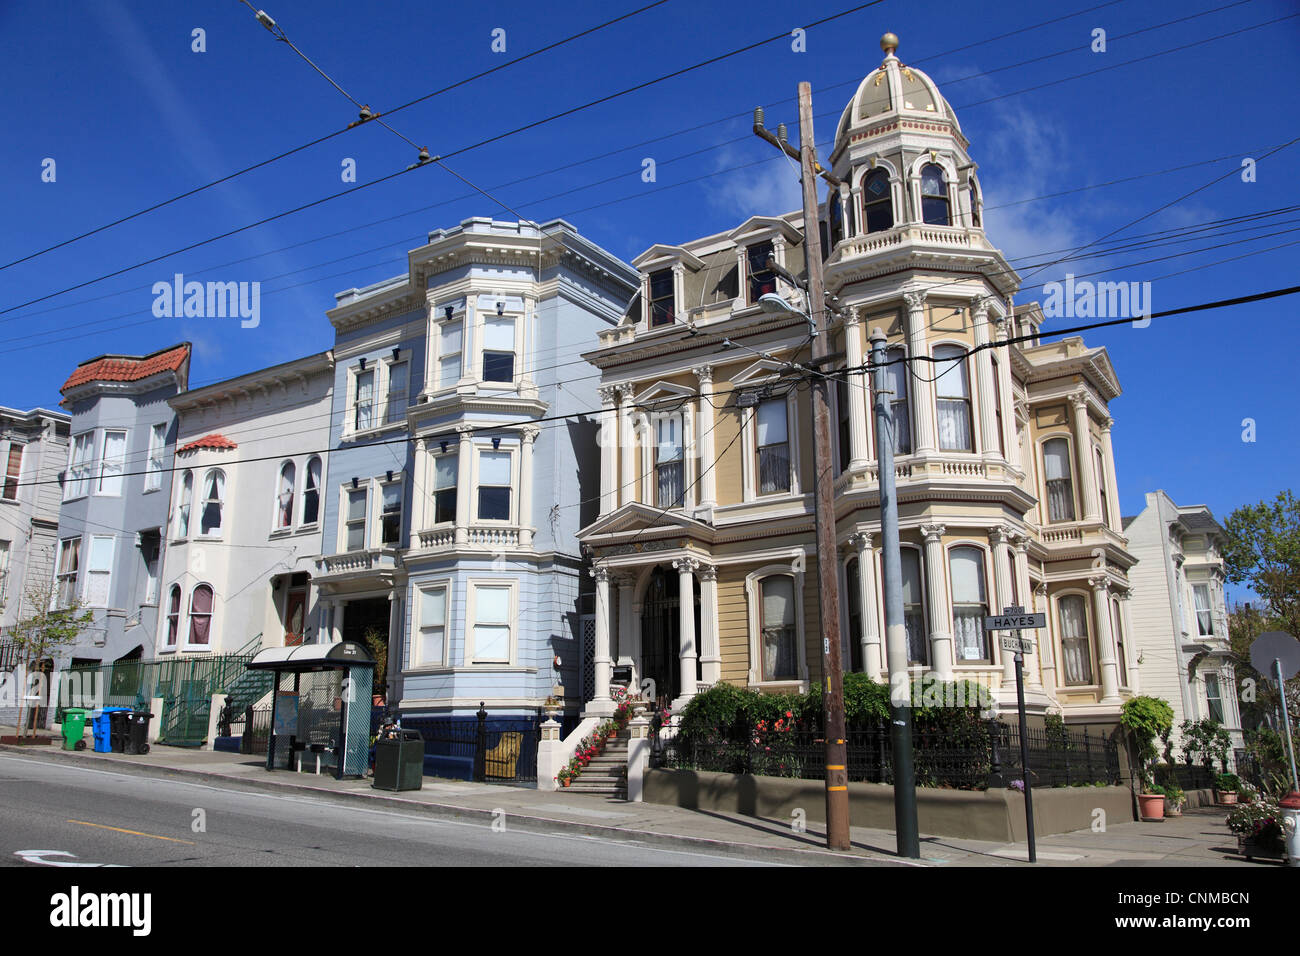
118 730
399 761
137 741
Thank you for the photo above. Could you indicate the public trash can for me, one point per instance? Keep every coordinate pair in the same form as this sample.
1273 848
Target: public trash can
137 738
118 729
74 728
1290 806
101 728
399 761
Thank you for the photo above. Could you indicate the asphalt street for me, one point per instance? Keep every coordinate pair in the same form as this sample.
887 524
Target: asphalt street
85 816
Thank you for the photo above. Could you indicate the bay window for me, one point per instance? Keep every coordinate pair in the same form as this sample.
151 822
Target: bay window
1116 617
877 203
157 451
498 349
398 389
449 353
214 493
853 601
113 463
66 575
773 447
431 648
445 478
494 486
492 623
81 464
390 514
183 503
364 411
1214 698
952 399
99 570
969 605
900 412
1204 614
777 627
1101 487
1076 645
918 641
1060 488
173 614
762 280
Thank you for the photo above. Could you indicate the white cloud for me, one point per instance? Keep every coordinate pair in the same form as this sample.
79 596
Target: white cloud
768 189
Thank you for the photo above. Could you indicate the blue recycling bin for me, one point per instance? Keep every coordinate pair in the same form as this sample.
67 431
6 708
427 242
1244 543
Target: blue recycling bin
101 728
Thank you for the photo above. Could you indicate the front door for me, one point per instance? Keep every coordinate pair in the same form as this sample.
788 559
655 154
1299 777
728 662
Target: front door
295 613
661 636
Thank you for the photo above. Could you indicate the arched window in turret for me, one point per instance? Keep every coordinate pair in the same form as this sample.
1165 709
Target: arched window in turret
834 218
877 207
934 197
975 205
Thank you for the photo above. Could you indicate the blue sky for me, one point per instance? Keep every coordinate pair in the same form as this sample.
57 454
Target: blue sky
113 92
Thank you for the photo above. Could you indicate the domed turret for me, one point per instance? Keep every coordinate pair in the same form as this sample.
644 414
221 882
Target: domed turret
893 89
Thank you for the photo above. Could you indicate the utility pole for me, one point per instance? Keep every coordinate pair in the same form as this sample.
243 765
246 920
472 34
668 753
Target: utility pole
900 686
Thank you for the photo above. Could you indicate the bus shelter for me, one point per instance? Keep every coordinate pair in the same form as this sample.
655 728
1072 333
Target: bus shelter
320 706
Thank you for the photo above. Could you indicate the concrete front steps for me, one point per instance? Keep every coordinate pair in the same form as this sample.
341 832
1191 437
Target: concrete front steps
605 774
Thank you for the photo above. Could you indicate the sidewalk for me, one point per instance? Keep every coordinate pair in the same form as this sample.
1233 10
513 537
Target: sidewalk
1199 838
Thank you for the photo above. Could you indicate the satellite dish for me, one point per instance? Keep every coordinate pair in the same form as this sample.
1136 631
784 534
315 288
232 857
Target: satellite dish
1279 646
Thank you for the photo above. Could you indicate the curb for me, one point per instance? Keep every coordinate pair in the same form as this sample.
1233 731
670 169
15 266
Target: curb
527 822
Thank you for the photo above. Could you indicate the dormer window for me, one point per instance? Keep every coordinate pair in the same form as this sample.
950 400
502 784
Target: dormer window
877 205
663 300
762 280
934 197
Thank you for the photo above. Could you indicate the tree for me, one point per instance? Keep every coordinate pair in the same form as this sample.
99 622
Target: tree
46 630
1262 550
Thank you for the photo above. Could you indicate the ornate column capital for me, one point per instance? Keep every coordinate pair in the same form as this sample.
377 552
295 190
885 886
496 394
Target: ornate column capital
1099 583
1106 424
601 574
1041 589
708 572
860 540
690 565
979 307
1001 534
465 431
852 318
915 300
529 433
624 390
608 394
1079 400
704 373
622 579
933 532
1020 542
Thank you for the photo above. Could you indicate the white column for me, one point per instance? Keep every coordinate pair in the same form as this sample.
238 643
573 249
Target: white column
1105 639
686 625
999 537
988 422
1046 645
1112 485
1083 447
1134 671
420 490
708 483
710 651
608 435
625 583
528 438
396 645
922 388
689 462
336 619
471 363
870 636
627 473
1010 419
855 393
1042 638
936 592
464 489
601 703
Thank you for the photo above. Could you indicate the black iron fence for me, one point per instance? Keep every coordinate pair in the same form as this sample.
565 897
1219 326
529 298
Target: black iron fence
971 758
253 727
484 749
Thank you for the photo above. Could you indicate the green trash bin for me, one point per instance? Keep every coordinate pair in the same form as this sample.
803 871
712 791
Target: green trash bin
399 761
74 729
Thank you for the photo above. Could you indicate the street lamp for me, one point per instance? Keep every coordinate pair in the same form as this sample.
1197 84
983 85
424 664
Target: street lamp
774 304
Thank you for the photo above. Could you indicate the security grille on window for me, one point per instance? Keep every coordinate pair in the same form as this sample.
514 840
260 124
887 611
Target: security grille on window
773 447
113 464
1204 616
662 298
81 466
762 280
365 408
1076 648
1214 698
1060 489
969 607
445 468
13 469
390 515
900 413
157 450
69 564
918 643
449 354
779 634
355 523
934 196
952 398
214 496
99 570
492 623
433 626
494 486
498 349
669 461
311 492
398 375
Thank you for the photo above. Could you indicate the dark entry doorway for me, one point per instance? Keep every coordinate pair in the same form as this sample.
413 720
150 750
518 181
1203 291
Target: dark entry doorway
363 620
661 634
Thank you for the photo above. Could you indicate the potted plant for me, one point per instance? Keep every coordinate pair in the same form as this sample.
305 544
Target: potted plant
565 776
1174 800
1145 719
1226 786
1258 827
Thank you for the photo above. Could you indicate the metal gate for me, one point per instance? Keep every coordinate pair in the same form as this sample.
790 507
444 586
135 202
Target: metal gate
185 715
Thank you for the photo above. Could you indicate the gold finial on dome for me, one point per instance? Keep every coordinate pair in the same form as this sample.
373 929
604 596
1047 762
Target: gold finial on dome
889 42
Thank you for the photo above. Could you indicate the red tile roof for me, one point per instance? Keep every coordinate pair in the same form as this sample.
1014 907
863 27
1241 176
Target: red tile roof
127 368
213 441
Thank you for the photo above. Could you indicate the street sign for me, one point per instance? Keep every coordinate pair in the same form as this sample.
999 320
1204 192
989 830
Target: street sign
1017 645
1014 622
1279 646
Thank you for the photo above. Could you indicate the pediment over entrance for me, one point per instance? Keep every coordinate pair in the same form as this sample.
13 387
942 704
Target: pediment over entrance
637 520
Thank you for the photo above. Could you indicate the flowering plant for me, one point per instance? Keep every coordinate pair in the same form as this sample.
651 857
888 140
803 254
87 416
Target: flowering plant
1261 820
1018 785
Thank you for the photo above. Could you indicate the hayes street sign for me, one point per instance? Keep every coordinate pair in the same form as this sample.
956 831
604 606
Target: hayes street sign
1014 622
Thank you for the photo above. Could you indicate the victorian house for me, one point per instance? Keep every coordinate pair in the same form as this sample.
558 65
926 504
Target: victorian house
704 552
464 462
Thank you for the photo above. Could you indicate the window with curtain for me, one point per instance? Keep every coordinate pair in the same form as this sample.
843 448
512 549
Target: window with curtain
432 648
80 466
284 496
762 280
1116 618
853 599
773 446
1214 698
69 565
491 623
311 492
969 604
1076 646
1204 614
670 484
390 514
214 496
13 471
399 374
365 408
663 301
498 349
445 477
150 552
952 399
877 203
99 570
113 463
778 631
355 523
997 404
183 504
494 486
157 454
918 641
896 382
1101 487
173 614
449 353
201 615
1060 488
934 196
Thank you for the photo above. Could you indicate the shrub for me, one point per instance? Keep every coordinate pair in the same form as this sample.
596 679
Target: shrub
1145 719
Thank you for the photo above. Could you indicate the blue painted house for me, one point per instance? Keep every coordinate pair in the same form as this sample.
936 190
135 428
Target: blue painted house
455 491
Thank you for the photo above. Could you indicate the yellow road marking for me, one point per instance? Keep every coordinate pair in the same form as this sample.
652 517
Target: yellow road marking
152 836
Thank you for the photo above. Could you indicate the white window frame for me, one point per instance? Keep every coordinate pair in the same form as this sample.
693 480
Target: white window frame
749 442
223 501
505 449
1208 610
990 591
517 322
187 605
403 358
1090 625
940 370
381 484
164 617
175 523
471 621
294 502
754 599
320 492
17 478
103 462
344 491
418 660
439 323
919 553
1075 505
157 461
60 576
102 572
5 548
456 490
79 487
